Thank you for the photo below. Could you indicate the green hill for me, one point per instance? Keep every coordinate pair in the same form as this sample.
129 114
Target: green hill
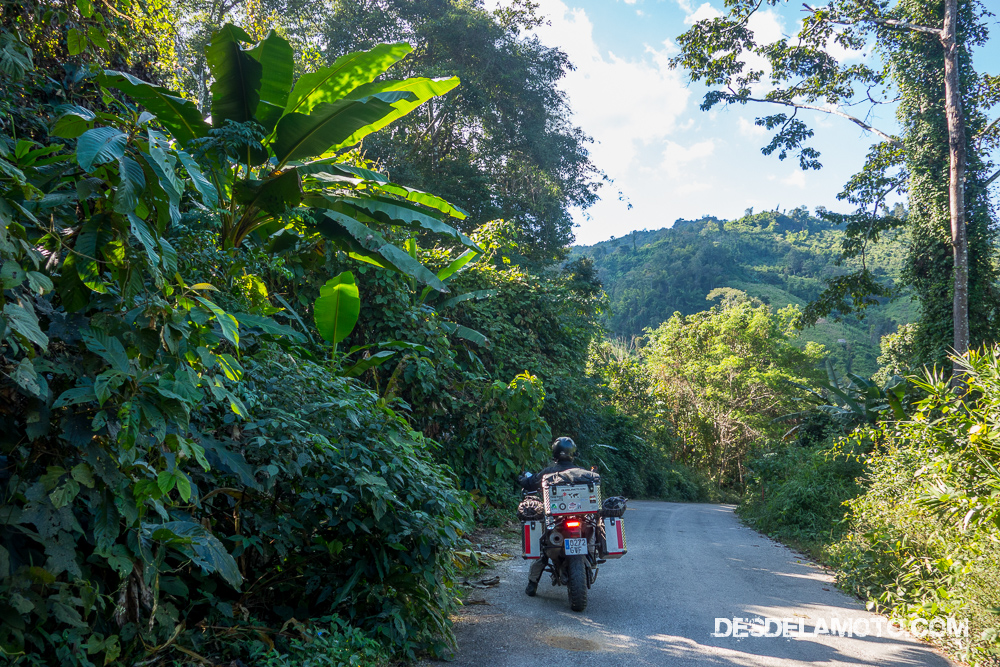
780 258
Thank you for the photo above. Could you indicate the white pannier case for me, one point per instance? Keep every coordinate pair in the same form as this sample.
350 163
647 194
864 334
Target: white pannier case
575 491
614 534
531 540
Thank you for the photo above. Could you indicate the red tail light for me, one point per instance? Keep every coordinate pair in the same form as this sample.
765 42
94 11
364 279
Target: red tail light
572 524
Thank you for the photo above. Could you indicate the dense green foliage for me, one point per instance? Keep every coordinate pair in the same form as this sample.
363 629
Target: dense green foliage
725 375
502 146
252 388
173 458
778 258
909 43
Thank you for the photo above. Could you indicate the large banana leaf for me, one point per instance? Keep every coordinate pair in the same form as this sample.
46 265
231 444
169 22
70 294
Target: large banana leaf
299 136
178 115
273 195
363 241
422 89
348 72
236 88
277 62
394 211
337 309
417 196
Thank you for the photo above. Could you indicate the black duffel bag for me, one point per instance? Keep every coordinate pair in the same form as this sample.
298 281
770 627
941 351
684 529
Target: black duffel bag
614 507
531 509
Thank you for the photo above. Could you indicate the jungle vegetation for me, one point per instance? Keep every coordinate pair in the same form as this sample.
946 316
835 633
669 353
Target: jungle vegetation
288 301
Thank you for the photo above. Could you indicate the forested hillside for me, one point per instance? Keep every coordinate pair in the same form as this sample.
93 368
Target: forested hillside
780 258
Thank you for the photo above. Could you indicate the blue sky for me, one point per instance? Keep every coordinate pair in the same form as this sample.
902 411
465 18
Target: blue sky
668 159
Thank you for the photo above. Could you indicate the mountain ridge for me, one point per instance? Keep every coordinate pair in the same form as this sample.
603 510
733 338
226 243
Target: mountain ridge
780 258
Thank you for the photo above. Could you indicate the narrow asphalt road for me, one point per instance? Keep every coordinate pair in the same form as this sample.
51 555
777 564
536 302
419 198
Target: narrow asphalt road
687 565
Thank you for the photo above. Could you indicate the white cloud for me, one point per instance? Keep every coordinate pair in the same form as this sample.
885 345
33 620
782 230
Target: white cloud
796 179
623 103
676 157
704 11
749 129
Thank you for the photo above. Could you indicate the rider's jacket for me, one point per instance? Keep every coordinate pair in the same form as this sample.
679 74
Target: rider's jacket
534 483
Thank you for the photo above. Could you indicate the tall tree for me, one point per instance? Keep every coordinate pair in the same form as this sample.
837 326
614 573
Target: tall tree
502 145
925 52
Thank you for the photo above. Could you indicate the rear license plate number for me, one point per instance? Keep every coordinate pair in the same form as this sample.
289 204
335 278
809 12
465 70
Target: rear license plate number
575 546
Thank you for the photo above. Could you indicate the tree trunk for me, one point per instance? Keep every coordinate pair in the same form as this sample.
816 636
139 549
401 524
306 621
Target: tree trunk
956 179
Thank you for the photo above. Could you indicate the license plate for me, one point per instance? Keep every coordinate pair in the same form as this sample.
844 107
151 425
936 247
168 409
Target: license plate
575 546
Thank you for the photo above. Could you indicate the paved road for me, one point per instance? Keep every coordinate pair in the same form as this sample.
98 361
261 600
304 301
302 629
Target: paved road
686 566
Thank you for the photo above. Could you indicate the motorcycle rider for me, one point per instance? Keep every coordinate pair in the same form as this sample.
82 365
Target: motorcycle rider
563 453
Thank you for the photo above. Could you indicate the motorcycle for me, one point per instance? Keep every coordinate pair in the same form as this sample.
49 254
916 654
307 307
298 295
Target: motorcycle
567 523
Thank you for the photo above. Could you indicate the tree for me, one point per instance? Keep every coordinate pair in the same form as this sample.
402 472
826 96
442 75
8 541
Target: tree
925 47
725 374
501 146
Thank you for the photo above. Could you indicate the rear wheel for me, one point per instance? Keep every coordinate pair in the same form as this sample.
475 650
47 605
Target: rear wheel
576 570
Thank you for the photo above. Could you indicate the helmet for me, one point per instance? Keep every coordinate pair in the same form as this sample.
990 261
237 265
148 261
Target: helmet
563 449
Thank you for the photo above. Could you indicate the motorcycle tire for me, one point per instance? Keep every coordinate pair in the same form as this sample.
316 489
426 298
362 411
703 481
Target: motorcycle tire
577 582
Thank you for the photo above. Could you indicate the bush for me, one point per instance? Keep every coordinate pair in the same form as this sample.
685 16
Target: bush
797 493
924 536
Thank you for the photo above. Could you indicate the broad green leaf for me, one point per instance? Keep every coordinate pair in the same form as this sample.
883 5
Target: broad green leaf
460 263
230 327
237 77
75 121
390 211
230 367
417 196
26 377
11 274
337 309
466 333
478 294
209 193
131 185
76 41
75 396
82 473
356 237
298 136
332 83
24 321
422 89
88 267
97 36
106 523
372 361
100 145
277 62
180 116
163 165
274 195
140 230
107 347
268 326
86 8
202 547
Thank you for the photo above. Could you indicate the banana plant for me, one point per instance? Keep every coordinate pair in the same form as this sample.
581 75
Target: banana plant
275 152
849 401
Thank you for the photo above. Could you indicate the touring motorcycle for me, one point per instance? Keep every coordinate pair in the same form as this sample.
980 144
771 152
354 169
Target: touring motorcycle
567 523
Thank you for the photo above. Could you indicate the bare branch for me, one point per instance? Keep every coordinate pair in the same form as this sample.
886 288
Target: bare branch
891 23
982 135
992 178
836 112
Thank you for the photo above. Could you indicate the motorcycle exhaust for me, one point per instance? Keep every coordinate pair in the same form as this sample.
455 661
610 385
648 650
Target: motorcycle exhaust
555 539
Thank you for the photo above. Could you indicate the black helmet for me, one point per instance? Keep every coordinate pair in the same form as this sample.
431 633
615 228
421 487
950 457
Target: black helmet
563 449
